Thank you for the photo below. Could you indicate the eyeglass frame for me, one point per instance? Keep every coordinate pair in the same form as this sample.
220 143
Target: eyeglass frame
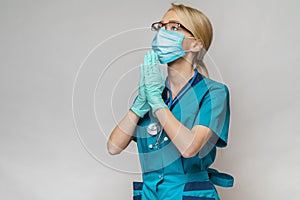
174 22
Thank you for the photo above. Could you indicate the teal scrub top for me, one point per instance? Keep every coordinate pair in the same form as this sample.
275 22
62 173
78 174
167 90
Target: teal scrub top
202 101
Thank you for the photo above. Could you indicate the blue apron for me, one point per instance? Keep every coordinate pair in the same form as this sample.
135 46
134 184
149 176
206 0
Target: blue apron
166 174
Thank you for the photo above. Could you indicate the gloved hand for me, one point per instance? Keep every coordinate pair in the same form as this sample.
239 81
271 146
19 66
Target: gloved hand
154 82
140 106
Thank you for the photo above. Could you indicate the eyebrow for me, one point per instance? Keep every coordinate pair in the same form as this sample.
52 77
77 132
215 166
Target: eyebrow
170 21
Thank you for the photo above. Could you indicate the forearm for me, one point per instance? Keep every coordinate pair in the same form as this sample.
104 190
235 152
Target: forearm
187 141
122 133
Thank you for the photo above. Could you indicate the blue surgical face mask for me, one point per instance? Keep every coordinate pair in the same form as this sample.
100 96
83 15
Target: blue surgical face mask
168 45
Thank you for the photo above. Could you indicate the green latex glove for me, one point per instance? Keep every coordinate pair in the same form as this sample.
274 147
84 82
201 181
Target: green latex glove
154 82
140 106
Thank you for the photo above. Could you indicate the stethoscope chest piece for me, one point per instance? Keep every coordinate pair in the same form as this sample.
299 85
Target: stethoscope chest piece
153 129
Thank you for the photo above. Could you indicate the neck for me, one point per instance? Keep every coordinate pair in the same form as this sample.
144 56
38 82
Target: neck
179 73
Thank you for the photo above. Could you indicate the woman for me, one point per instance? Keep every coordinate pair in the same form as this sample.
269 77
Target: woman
178 122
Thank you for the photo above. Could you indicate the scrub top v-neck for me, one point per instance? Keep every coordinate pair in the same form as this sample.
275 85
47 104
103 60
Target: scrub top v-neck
169 100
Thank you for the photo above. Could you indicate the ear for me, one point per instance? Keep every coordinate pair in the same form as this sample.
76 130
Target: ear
196 46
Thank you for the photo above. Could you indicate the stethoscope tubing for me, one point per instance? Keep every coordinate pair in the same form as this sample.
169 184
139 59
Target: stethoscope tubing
171 102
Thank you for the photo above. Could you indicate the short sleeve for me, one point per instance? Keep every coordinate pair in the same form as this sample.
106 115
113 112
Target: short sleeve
214 112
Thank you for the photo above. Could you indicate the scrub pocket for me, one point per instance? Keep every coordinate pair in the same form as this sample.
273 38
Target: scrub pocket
137 190
203 190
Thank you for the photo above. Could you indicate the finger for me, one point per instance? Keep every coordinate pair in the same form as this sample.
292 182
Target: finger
155 68
156 58
152 57
153 62
145 66
150 61
146 70
141 74
149 58
162 75
146 59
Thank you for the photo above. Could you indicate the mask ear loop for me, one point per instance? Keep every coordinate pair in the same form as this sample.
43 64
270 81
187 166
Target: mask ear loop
191 63
187 51
194 66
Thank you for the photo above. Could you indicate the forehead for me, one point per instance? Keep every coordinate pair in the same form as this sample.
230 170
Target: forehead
171 15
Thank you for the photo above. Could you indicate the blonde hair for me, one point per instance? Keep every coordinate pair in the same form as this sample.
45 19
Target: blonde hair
199 24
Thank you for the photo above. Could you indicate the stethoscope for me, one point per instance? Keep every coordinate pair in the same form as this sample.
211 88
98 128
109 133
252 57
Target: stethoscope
155 129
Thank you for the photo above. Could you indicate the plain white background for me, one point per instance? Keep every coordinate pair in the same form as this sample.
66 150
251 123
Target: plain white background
43 46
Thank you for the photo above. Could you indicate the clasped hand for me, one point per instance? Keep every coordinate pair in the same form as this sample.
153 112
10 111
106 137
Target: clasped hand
151 86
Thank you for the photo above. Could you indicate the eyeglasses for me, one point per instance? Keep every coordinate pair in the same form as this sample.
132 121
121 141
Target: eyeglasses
172 26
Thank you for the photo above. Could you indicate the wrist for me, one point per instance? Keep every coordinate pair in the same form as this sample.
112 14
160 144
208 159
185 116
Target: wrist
140 108
136 111
156 104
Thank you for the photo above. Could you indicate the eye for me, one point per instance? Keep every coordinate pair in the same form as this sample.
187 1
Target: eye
174 28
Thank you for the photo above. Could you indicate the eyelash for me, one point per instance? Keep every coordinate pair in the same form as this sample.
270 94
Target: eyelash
173 27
